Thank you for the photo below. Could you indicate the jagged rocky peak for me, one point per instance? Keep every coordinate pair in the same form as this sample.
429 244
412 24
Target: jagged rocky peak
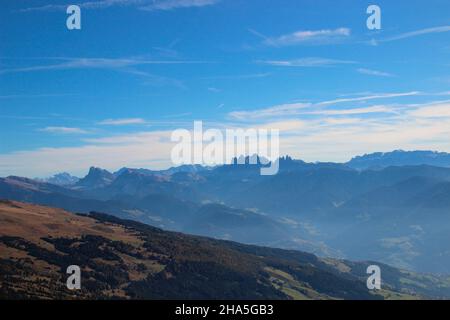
97 177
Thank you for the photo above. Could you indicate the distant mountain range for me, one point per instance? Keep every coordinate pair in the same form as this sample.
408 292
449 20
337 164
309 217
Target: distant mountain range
400 158
61 179
122 259
375 160
397 214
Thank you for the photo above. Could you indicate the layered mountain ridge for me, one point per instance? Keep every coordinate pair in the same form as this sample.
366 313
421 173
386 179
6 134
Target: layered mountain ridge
124 259
394 214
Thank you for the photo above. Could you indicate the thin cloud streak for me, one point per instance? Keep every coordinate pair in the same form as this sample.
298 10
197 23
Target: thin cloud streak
324 36
420 32
122 122
305 62
64 130
44 95
371 97
287 110
146 5
103 4
353 111
375 73
275 111
238 76
177 4
99 63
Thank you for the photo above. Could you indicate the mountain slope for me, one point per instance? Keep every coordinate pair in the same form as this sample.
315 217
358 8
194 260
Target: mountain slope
398 215
127 259
161 210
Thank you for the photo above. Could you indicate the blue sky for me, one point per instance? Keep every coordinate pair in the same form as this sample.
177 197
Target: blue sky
111 93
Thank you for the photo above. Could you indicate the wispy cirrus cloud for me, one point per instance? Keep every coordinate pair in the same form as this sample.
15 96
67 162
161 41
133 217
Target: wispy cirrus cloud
353 111
371 97
324 36
238 76
42 95
122 122
101 4
420 32
64 130
375 73
177 4
92 63
132 66
288 110
299 110
147 5
305 62
275 111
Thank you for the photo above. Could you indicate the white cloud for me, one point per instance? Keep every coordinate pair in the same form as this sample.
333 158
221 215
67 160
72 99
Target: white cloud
122 64
285 126
341 121
238 76
64 130
305 62
122 122
366 110
370 97
324 134
419 33
176 4
287 110
437 110
376 73
148 5
331 141
145 149
86 5
324 36
275 111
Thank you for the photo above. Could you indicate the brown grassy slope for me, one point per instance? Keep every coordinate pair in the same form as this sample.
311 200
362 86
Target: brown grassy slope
127 259
32 276
37 244
31 222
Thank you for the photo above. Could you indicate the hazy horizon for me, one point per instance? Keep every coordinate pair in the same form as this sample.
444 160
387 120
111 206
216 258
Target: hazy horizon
84 172
111 93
